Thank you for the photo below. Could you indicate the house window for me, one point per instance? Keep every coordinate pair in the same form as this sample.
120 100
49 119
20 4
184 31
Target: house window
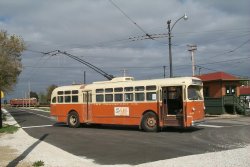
230 90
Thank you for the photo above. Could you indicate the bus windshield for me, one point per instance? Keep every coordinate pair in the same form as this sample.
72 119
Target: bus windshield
194 92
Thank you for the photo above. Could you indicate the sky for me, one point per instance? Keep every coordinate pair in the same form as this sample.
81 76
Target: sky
111 34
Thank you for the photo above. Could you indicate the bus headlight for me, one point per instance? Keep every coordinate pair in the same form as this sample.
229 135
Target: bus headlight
193 109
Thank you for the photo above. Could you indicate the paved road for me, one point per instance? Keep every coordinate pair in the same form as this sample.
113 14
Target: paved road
109 145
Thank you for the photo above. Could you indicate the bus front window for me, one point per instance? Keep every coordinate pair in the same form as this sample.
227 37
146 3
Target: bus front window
194 93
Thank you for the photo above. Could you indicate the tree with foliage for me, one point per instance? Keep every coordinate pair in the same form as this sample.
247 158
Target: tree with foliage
49 91
33 95
11 47
42 98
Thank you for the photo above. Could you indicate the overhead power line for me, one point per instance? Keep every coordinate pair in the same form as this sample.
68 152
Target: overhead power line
139 27
231 51
244 43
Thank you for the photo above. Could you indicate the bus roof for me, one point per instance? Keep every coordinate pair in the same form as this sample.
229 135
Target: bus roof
129 81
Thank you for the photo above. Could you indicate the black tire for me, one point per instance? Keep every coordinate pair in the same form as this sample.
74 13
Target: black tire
149 122
73 120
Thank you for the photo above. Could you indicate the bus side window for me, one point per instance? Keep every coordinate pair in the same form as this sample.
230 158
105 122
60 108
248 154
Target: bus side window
108 97
85 98
54 100
60 99
99 98
74 99
139 96
67 99
151 96
128 89
118 97
129 97
90 97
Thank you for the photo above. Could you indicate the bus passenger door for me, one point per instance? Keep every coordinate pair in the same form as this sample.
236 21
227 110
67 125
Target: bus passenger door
87 108
172 106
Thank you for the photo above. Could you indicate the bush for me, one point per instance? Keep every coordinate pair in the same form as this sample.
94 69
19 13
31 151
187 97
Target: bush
38 163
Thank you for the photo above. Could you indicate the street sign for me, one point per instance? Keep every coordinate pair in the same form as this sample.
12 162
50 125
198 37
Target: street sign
2 94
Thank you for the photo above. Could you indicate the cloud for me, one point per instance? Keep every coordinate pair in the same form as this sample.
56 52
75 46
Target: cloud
99 33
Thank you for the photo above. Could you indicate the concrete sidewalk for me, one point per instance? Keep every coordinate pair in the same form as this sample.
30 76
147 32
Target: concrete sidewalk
20 149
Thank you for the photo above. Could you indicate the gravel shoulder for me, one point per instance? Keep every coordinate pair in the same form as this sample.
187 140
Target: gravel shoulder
20 149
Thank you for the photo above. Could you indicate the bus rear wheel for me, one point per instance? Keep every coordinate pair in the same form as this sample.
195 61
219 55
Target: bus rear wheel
149 122
73 120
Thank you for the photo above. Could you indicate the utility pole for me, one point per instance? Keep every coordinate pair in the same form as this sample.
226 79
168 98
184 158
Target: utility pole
25 98
191 49
169 50
29 94
200 70
84 77
1 118
164 71
124 72
170 28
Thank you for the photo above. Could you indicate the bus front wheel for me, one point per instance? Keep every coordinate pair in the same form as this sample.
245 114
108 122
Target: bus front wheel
73 120
149 122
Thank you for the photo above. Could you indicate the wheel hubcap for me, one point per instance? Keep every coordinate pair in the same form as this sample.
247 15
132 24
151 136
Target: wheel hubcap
151 122
73 120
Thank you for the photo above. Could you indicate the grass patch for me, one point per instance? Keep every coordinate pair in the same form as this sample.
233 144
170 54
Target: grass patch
38 163
8 129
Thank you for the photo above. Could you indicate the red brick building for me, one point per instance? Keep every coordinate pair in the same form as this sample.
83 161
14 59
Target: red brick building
245 94
219 84
221 91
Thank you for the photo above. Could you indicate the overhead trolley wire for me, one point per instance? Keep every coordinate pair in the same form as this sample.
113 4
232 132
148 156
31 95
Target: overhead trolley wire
149 36
139 27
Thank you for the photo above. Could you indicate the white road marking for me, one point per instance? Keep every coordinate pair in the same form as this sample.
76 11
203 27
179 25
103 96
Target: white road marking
39 126
211 126
38 114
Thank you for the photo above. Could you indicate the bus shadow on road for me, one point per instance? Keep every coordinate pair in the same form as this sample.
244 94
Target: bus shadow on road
101 126
110 127
181 130
129 128
60 124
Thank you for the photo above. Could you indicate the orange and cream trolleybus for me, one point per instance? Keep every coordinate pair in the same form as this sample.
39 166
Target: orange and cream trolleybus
150 104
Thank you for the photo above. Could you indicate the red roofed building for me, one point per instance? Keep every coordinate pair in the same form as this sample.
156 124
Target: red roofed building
219 84
221 91
245 94
245 90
